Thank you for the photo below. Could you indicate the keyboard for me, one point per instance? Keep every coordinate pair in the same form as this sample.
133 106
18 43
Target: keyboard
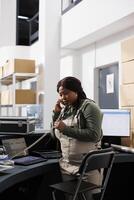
123 148
28 160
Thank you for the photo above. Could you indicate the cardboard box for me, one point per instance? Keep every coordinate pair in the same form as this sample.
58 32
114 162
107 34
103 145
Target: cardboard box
126 141
23 96
127 50
127 95
133 138
128 72
18 66
132 118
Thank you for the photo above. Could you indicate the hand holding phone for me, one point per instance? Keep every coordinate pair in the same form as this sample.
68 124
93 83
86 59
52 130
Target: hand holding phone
58 106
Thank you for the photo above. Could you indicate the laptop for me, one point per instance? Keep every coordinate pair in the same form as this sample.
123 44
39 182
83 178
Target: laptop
15 148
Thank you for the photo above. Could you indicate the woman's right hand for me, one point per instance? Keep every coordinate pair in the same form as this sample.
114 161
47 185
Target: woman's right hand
58 106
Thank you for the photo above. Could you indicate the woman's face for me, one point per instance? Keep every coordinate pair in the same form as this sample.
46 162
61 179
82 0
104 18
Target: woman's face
67 97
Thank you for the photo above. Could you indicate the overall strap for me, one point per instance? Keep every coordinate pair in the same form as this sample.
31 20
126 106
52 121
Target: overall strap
82 106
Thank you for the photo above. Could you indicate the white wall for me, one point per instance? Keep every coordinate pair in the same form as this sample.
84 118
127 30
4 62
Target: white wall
7 52
82 32
46 51
99 54
66 66
89 16
7 22
47 54
50 21
88 64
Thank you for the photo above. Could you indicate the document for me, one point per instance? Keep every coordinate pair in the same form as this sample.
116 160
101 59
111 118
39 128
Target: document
5 167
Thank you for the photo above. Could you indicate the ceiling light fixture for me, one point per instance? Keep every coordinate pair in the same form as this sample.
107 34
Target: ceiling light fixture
22 17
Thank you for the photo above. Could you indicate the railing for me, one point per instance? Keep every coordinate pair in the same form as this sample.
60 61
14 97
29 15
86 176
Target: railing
66 5
33 28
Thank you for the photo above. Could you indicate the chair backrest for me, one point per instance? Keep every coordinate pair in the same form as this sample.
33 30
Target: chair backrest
97 159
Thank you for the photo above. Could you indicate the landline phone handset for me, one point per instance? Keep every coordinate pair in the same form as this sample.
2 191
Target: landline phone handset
56 153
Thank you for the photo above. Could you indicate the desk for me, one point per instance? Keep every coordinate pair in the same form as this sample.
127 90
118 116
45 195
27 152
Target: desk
30 182
36 178
122 174
14 182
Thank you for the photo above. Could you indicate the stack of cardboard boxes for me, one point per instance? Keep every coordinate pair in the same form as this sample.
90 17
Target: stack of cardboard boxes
127 87
22 96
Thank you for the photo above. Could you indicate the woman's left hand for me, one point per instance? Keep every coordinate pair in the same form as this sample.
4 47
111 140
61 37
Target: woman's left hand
60 125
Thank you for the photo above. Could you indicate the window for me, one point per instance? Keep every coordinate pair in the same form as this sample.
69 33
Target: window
68 4
27 22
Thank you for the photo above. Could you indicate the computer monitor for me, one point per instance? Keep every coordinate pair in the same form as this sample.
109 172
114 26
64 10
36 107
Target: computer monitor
116 122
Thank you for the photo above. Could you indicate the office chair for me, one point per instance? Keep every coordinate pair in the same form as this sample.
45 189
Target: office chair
77 187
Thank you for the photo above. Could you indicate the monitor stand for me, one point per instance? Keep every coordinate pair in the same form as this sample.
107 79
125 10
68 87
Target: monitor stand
111 140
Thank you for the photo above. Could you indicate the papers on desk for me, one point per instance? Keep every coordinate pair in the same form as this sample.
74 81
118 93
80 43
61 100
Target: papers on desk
3 157
5 167
5 163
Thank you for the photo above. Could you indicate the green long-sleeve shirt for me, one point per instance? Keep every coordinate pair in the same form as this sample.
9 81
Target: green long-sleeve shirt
89 120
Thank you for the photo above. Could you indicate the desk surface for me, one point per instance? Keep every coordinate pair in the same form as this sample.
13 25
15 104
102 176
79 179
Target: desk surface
10 177
119 184
19 173
124 157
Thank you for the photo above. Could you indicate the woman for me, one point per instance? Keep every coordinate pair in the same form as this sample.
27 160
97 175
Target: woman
77 124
